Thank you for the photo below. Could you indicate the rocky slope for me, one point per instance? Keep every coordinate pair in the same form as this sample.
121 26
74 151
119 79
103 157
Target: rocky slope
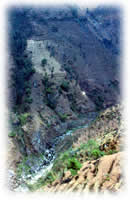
71 82
93 34
74 37
93 163
94 176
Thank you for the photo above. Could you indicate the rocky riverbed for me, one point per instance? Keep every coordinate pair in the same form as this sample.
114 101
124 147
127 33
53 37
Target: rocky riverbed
39 166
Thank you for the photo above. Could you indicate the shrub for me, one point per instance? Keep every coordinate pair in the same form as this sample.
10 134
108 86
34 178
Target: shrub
48 90
12 134
107 177
92 149
90 145
63 117
45 80
17 43
66 161
33 71
25 166
51 101
60 162
50 177
25 107
22 167
65 85
28 91
44 62
40 182
111 151
73 165
28 100
96 153
23 118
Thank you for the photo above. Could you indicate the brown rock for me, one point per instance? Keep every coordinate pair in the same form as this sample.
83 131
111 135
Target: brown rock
107 177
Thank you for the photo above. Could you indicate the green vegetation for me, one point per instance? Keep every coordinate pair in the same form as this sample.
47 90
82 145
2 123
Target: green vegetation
91 148
65 85
23 68
23 118
28 100
107 177
50 178
12 134
61 162
40 182
111 151
24 167
71 160
96 153
63 117
28 91
48 90
73 165
45 80
43 62
65 161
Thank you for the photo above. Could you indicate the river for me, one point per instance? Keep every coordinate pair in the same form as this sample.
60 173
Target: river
42 172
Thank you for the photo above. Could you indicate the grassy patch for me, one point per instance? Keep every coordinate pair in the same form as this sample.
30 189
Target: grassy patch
91 150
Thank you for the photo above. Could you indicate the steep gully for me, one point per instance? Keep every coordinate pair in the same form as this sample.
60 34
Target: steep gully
47 163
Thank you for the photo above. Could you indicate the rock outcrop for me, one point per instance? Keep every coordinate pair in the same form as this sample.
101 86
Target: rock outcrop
94 176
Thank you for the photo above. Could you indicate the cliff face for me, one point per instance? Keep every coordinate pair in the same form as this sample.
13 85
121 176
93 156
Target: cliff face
54 109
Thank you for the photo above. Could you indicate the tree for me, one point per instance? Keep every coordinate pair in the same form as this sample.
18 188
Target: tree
52 70
44 62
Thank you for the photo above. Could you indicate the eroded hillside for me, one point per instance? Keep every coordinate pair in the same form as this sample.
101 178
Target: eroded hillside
94 163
